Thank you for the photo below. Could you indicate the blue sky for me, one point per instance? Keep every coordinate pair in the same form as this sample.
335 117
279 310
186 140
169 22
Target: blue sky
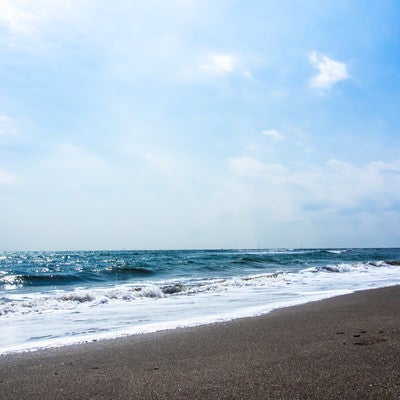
199 124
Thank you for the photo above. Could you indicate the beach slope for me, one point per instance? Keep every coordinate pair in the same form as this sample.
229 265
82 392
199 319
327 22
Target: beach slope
346 347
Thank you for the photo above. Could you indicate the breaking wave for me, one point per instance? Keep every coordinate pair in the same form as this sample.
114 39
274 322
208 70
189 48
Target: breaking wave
76 298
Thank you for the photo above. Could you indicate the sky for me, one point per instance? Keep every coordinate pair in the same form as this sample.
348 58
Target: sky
183 124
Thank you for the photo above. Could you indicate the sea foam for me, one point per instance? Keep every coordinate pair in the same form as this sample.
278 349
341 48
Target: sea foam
74 297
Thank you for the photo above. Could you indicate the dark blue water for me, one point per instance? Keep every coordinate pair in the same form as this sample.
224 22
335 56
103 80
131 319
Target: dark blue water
57 269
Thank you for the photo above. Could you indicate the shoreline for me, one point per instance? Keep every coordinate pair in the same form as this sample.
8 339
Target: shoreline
342 347
131 332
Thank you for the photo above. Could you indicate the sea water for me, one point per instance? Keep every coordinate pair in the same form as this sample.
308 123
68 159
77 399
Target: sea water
51 299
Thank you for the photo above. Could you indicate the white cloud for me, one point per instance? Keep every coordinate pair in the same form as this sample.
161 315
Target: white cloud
35 25
27 18
220 63
335 185
329 71
355 204
15 16
224 63
212 64
274 134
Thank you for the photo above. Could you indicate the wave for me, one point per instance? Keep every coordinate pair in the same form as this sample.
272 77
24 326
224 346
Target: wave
393 262
129 270
40 280
51 279
345 267
336 251
69 299
29 270
126 293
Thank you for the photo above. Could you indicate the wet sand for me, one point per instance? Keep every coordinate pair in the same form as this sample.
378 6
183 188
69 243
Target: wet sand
347 347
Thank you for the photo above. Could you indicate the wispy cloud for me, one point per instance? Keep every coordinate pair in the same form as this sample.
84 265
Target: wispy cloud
274 134
35 25
329 71
15 16
27 19
152 97
220 63
336 185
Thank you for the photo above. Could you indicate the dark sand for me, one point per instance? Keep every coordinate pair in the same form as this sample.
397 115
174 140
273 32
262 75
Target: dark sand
342 348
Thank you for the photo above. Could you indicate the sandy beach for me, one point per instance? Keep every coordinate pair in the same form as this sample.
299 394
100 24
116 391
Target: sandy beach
346 347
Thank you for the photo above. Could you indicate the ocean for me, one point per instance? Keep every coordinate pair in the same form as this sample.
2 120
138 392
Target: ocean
50 299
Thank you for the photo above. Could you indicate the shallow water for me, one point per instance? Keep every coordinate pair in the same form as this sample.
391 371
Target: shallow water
55 298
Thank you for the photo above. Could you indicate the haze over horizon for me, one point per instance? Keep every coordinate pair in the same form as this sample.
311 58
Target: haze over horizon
199 124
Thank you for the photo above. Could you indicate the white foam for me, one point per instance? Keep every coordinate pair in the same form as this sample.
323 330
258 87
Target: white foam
60 317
